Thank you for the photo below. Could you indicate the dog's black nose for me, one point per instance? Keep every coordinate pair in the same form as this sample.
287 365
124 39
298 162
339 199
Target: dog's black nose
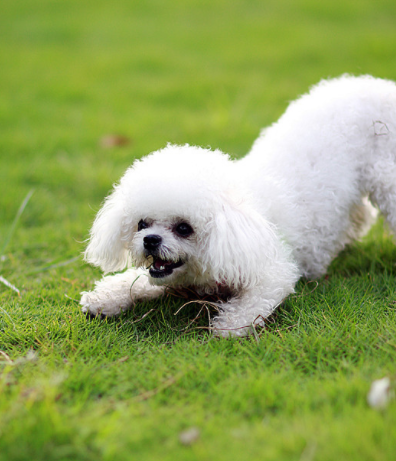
152 241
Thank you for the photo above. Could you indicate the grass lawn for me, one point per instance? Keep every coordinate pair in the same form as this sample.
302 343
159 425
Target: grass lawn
208 73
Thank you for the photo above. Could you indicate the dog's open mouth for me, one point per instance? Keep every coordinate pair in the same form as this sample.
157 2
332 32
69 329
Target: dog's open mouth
162 268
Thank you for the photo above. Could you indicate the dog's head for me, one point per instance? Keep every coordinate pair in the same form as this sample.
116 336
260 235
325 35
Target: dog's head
184 213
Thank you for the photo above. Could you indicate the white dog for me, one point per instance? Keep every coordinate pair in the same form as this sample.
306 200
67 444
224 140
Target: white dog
191 217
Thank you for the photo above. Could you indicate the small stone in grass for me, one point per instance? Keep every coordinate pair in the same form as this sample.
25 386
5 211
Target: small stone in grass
189 436
379 394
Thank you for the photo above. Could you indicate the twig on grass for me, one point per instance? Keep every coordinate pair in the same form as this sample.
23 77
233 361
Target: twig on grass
143 316
196 301
301 295
186 329
148 394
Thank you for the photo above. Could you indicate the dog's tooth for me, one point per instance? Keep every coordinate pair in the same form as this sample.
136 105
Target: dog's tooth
162 268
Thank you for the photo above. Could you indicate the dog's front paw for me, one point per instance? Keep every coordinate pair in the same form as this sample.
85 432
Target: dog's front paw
94 304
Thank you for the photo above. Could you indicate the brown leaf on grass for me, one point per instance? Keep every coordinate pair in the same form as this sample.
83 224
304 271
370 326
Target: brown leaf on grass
114 140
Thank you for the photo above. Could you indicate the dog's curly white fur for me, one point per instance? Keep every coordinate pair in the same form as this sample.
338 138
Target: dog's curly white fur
254 225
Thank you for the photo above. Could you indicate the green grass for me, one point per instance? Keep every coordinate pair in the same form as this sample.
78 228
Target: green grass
207 73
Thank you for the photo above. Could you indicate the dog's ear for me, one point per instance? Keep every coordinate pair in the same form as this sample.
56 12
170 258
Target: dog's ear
241 247
106 247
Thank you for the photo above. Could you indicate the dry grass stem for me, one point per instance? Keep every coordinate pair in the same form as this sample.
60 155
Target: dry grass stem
9 285
6 356
148 394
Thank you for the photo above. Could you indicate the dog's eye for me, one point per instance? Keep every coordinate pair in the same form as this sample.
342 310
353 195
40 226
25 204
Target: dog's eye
142 225
183 229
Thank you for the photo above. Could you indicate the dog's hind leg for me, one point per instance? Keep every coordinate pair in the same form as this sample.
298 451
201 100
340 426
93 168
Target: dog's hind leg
382 190
362 217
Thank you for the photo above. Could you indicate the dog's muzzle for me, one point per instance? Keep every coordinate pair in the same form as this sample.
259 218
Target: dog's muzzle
160 267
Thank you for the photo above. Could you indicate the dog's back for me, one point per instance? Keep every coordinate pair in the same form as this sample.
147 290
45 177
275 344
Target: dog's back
310 170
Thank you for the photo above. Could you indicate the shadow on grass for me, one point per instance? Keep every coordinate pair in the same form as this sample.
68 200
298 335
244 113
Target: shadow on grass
174 316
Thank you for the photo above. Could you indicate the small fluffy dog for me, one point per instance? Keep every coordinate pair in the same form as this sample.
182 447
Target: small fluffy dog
186 216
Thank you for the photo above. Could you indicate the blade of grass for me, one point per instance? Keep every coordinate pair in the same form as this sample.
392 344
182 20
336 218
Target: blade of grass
15 222
55 265
8 315
9 237
9 285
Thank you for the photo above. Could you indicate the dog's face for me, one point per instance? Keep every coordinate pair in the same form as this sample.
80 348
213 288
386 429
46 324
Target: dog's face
183 214
168 247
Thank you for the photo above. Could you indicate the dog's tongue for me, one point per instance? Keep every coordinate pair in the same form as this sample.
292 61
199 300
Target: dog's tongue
160 262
